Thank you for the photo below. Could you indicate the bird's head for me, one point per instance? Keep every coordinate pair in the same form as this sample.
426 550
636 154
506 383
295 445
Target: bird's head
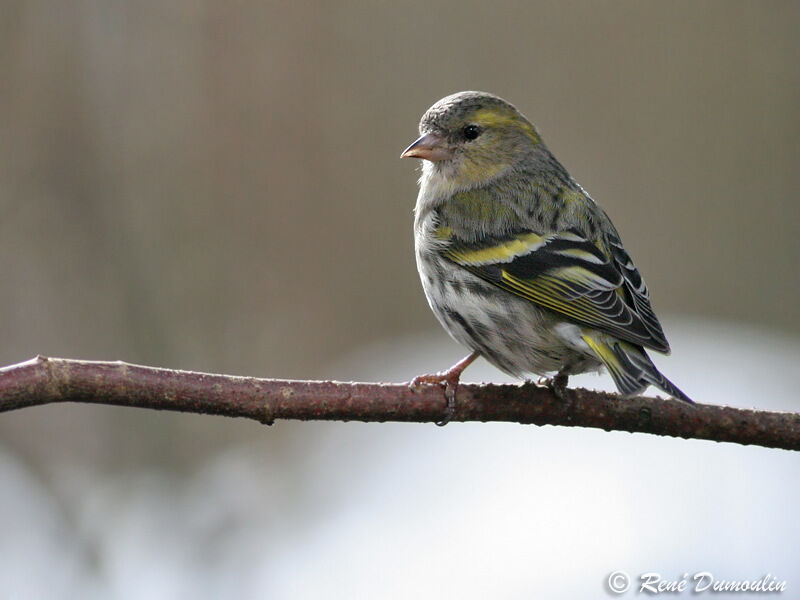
471 137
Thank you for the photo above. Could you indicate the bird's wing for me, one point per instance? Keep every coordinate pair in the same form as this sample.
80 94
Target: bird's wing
590 283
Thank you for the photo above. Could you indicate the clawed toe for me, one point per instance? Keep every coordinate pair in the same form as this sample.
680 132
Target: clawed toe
450 382
430 379
449 379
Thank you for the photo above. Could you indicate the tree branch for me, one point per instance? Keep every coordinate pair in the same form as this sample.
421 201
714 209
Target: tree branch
45 380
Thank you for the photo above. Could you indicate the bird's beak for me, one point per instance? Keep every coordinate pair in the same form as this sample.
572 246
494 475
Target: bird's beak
429 146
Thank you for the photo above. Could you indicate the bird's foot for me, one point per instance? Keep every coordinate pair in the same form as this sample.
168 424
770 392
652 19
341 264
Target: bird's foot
450 380
557 385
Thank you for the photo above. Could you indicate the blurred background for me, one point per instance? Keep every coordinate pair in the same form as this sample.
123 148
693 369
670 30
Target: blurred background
216 186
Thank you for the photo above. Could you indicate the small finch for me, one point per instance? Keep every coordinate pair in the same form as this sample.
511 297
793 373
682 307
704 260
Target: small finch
517 261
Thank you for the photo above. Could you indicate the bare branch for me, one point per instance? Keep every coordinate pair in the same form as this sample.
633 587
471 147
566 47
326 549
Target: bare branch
47 380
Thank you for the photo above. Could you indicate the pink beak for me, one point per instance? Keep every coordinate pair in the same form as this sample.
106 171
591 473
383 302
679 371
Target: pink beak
429 146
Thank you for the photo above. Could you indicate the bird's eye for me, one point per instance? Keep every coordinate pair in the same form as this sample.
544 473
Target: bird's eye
471 132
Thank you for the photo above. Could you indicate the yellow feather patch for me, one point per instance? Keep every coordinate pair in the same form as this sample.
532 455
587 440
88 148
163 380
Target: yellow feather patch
569 196
604 353
548 293
482 171
544 293
443 233
505 252
602 350
583 276
493 118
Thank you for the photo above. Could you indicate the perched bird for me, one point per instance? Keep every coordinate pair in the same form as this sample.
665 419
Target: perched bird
517 261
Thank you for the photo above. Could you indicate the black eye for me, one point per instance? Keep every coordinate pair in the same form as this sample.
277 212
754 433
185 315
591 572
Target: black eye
471 132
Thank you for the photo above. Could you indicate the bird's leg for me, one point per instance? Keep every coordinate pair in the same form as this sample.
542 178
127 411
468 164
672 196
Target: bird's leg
557 384
450 379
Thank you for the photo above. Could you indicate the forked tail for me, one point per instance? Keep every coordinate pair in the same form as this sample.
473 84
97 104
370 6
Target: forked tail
631 368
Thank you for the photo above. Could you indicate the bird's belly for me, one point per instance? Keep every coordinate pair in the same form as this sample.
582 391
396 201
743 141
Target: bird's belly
512 333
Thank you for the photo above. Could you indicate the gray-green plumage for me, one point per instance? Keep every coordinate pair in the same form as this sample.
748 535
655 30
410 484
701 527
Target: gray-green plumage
516 259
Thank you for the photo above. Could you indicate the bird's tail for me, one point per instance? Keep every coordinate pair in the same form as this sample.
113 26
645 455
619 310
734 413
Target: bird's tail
631 368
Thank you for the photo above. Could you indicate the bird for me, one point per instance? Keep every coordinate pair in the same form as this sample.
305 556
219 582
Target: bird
518 262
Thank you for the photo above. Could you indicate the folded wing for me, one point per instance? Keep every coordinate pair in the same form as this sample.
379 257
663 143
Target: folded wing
589 283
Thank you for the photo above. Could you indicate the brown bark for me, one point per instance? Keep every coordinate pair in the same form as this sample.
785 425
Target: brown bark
45 380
